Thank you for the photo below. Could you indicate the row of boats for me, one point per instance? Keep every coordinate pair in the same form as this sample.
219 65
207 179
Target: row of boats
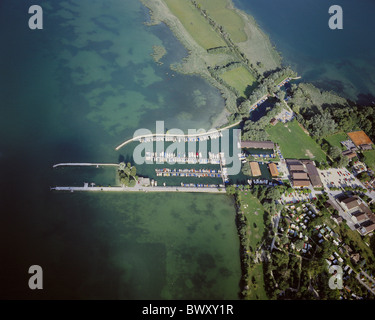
188 173
191 158
258 104
260 181
172 138
282 83
199 185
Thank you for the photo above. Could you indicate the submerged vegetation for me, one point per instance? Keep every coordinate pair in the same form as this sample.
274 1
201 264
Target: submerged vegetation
158 53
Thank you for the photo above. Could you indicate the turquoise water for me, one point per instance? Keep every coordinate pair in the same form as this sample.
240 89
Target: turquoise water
340 60
71 93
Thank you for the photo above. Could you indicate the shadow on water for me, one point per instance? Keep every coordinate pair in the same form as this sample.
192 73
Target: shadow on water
366 99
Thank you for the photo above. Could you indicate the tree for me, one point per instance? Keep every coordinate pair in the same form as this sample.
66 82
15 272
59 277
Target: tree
121 166
127 174
322 125
372 244
244 107
133 171
363 177
299 244
343 161
231 190
334 152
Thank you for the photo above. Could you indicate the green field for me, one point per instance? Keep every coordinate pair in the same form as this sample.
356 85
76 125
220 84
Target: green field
197 26
239 78
294 142
253 211
229 19
335 139
370 158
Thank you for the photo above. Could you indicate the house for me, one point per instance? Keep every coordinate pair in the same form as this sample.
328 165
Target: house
355 257
274 121
370 228
349 154
296 167
258 144
349 203
304 170
313 174
255 169
273 169
338 219
348 249
359 217
144 182
301 183
299 175
366 146
360 139
367 227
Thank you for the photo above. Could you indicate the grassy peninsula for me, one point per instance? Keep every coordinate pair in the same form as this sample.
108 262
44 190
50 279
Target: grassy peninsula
226 46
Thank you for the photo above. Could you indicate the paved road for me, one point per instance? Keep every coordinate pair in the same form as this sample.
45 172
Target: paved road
363 283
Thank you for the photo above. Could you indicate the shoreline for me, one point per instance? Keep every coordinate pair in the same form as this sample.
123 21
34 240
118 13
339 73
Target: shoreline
199 59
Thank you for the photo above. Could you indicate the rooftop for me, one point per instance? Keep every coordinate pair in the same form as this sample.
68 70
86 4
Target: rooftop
301 183
258 144
255 169
273 169
359 138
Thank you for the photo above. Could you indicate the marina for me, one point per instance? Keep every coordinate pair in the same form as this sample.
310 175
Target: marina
190 157
166 172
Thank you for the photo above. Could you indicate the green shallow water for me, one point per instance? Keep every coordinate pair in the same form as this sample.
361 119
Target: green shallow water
71 93
137 246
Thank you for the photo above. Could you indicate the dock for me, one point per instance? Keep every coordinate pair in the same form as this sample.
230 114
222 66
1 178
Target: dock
178 137
194 173
85 165
190 158
183 188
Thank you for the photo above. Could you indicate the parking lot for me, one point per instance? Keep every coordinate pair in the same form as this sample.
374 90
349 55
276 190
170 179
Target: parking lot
339 178
295 197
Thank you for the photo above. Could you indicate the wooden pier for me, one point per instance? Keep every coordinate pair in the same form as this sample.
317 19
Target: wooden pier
138 188
85 165
177 136
193 173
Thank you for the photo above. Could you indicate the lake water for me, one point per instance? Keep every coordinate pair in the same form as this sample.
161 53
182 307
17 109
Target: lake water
339 60
71 93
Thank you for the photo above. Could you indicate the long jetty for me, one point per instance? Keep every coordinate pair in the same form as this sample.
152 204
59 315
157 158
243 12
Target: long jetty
175 135
87 188
85 165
